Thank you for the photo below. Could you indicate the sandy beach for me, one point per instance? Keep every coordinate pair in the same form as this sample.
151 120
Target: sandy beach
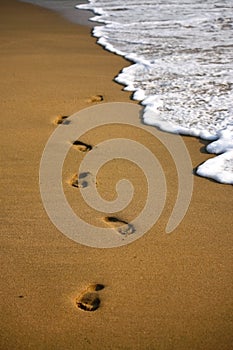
163 291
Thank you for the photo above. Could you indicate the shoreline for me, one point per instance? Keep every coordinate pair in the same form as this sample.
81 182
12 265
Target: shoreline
217 169
162 291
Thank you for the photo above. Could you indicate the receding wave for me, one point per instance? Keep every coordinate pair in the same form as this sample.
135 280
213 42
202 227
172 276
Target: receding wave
183 67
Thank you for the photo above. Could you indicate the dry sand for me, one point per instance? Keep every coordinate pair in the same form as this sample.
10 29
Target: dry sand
162 291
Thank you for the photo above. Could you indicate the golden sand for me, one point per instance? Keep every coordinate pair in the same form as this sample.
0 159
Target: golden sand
162 291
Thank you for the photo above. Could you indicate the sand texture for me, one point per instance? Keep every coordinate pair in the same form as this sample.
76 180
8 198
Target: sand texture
163 291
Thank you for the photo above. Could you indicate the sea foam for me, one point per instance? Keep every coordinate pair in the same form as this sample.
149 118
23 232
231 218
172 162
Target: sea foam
182 71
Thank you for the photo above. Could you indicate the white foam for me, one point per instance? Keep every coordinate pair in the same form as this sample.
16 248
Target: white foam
219 168
183 67
224 143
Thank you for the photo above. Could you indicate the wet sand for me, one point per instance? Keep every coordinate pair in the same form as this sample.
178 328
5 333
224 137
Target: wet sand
160 292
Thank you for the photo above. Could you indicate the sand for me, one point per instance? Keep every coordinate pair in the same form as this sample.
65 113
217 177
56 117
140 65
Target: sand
161 291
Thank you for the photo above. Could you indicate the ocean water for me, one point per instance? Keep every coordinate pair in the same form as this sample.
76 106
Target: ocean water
183 67
182 71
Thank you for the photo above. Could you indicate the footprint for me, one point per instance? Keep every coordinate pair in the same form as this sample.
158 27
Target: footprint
74 181
122 226
81 146
81 181
96 98
89 299
61 119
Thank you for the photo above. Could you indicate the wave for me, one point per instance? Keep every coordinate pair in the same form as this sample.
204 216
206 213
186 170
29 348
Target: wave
182 69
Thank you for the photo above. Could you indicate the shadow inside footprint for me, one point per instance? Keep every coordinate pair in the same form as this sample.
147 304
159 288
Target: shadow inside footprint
122 226
81 146
89 300
74 181
61 119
